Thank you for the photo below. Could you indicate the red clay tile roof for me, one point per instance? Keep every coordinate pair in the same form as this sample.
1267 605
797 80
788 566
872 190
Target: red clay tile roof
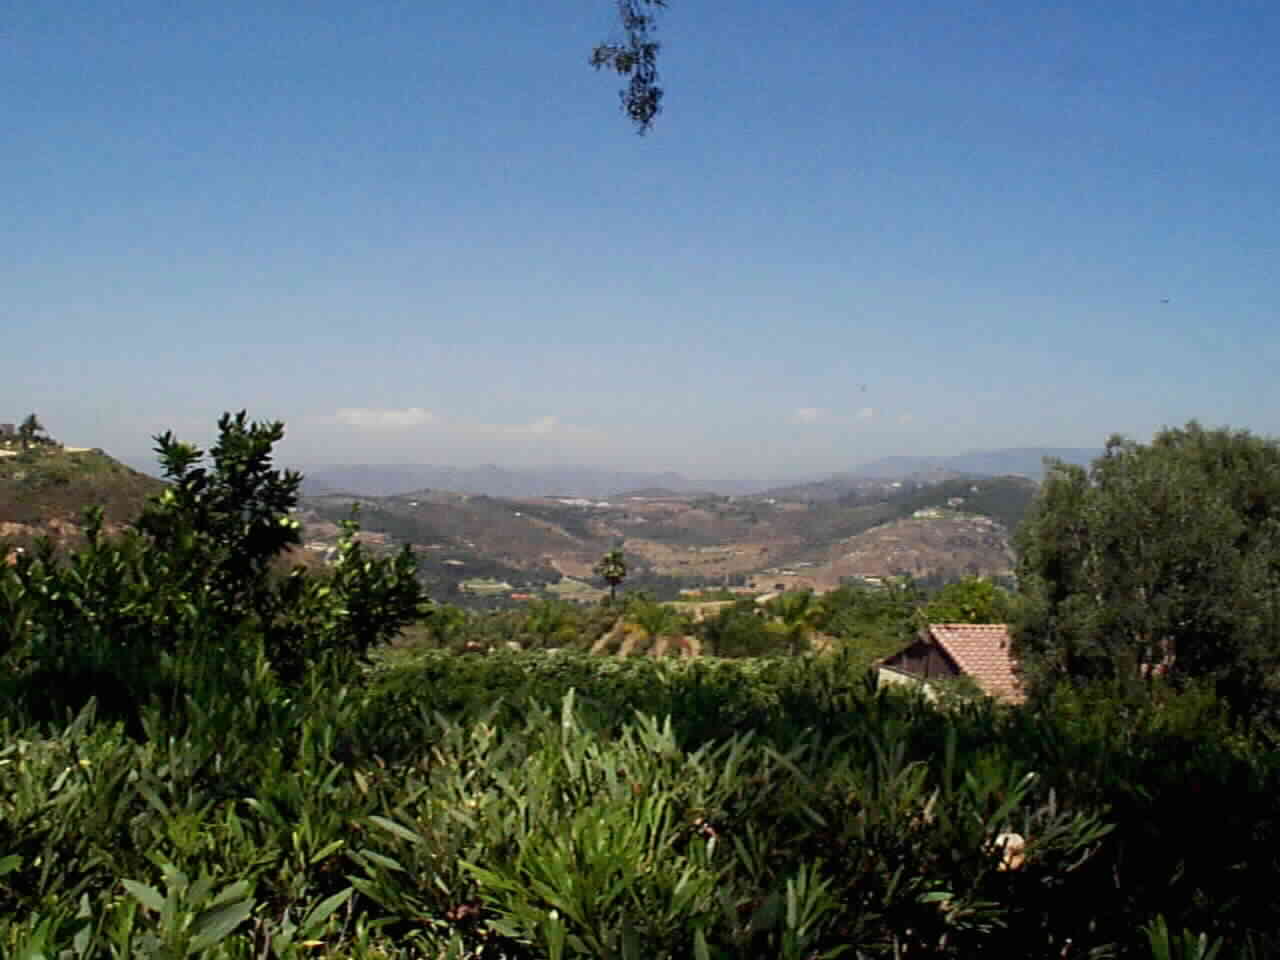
982 651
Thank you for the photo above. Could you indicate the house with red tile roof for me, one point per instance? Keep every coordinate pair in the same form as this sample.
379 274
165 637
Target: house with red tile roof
977 650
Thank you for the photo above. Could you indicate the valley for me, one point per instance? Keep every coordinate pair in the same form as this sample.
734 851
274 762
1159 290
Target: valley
489 551
933 531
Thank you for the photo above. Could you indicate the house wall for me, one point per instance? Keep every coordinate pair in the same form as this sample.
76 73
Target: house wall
923 659
893 678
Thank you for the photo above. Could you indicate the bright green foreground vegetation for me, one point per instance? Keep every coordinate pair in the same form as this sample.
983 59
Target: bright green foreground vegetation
204 757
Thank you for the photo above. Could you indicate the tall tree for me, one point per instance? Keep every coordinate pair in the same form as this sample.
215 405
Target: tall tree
30 431
612 568
1160 558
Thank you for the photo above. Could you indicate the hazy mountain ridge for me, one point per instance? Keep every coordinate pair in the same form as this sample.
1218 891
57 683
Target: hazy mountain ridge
1023 461
491 481
872 478
385 480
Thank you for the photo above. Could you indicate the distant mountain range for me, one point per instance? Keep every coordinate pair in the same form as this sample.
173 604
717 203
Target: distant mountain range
373 480
868 478
1023 461
381 480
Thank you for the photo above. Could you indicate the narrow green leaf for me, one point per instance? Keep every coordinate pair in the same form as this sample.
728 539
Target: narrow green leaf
236 891
630 941
327 851
387 863
149 897
315 920
700 951
213 925
404 833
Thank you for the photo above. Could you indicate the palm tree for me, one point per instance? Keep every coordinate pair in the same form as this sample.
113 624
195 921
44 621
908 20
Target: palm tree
612 568
646 622
552 623
798 614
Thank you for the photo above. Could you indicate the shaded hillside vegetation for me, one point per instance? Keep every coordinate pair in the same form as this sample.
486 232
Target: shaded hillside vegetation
1004 499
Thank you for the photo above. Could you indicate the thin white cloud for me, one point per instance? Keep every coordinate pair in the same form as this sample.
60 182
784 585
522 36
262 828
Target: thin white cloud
371 418
392 420
542 425
808 415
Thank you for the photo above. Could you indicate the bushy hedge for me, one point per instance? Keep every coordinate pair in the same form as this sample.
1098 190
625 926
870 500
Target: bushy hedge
706 698
511 805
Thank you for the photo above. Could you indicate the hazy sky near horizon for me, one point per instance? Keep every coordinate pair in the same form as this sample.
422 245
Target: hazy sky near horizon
424 232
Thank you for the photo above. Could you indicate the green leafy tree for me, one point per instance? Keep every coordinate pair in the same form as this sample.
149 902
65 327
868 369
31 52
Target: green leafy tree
650 620
231 518
739 630
612 569
798 615
551 622
191 599
447 626
971 600
1158 559
872 622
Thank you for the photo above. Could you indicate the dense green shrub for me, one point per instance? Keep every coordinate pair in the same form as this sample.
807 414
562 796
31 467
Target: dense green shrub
185 602
384 823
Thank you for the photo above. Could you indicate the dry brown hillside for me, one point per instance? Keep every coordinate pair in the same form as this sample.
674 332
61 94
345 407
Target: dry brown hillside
942 543
699 539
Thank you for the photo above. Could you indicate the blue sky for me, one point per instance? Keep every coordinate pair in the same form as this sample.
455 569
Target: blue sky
423 232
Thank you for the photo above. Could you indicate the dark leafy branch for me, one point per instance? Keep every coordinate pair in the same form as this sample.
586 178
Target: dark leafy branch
636 58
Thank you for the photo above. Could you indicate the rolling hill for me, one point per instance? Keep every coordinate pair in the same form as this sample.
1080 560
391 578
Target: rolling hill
942 526
45 492
942 530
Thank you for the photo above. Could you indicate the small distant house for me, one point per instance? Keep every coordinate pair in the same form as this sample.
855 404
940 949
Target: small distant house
976 650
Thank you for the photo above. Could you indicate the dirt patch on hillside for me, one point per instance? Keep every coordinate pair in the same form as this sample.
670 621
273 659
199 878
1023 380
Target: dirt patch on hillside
942 543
